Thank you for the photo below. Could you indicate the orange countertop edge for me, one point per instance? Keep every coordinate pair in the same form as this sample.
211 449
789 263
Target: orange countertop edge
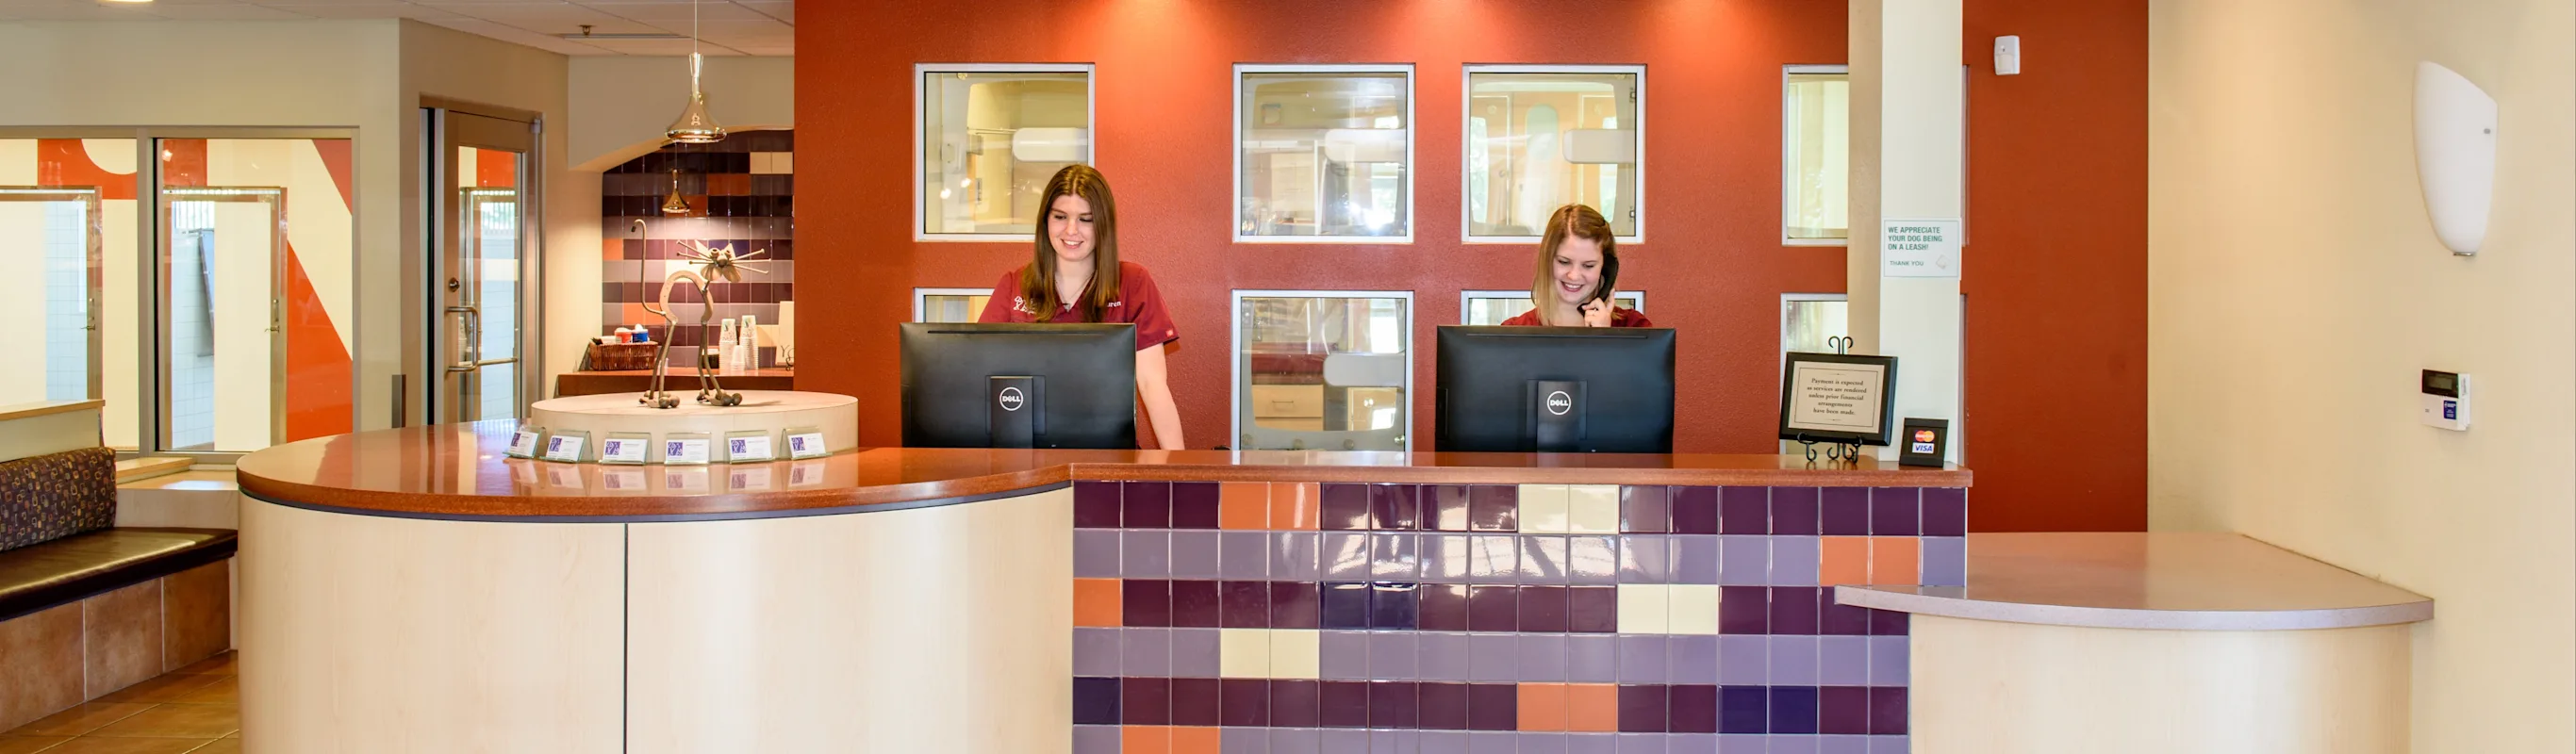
461 472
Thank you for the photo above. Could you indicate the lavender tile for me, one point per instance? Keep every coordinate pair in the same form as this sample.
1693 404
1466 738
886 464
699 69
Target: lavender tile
1945 512
1543 560
1494 658
1694 743
1694 659
1797 744
1095 553
1743 744
1643 658
1194 554
1793 709
1341 741
1744 510
1245 740
1345 605
1886 711
1695 510
1592 560
1095 505
1296 604
1643 743
1889 745
1845 511
1394 656
1743 709
1493 507
1645 509
1347 556
1244 555
1343 655
1888 664
1446 558
1296 556
1444 742
1842 661
1145 652
1344 506
1095 739
1445 657
1793 661
1444 607
1743 660
1097 652
1145 505
1394 605
1895 511
1494 559
1842 745
1296 741
1592 658
1645 559
1542 658
1945 561
1395 507
1394 741
1796 511
1145 554
1195 653
1444 507
1744 560
1194 505
1591 743
1542 743
1743 610
1796 560
1696 559
1794 610
1396 557
1493 742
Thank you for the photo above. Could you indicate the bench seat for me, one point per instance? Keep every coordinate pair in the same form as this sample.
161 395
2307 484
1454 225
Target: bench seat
62 571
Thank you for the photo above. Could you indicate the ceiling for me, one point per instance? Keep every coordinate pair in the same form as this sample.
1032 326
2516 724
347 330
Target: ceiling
726 27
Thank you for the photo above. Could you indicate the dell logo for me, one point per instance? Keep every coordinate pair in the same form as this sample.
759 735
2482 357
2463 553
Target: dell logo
1012 400
1558 403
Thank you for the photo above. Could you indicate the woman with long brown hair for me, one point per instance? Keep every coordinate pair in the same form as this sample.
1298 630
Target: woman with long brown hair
1075 276
1577 275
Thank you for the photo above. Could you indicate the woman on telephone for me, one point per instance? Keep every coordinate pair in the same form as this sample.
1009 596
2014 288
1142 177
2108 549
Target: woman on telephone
1578 272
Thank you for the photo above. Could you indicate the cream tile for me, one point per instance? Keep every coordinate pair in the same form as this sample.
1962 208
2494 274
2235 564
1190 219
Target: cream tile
1296 654
1644 608
1692 609
760 163
784 163
1543 509
1592 508
1243 653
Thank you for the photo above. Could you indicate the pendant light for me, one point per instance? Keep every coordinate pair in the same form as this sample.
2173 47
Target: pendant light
673 204
695 126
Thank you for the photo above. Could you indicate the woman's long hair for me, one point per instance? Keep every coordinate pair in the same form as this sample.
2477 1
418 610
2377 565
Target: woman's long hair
1037 281
1575 221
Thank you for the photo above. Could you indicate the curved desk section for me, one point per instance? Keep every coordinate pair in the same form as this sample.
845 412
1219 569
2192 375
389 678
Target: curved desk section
2154 642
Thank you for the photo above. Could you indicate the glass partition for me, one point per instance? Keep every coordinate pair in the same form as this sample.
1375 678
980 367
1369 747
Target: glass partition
949 304
1325 151
1815 155
991 136
1812 323
1323 370
1492 307
1539 138
67 216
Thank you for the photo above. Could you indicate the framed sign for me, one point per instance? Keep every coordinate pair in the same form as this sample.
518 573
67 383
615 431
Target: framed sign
1827 397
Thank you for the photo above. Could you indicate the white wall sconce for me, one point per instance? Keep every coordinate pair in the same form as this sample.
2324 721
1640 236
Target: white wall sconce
2455 155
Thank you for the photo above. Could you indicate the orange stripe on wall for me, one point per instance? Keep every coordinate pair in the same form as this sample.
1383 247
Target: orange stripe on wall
335 158
494 168
183 162
64 163
318 400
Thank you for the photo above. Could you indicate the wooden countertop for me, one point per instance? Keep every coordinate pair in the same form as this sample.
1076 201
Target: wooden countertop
461 472
2193 581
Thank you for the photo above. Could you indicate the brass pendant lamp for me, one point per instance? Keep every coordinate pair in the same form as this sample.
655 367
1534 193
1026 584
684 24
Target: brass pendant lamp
673 204
695 126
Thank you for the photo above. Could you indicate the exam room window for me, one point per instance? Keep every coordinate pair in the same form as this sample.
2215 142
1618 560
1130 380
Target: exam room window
1322 370
1541 137
1323 153
991 137
948 304
1815 155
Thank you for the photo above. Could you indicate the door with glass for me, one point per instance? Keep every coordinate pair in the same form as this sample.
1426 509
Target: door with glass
482 268
54 236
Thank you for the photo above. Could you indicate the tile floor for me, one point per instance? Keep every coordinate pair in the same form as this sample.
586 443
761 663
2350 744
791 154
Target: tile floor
195 709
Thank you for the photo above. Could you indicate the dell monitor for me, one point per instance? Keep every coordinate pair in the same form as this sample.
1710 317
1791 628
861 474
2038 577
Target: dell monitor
1019 386
1555 390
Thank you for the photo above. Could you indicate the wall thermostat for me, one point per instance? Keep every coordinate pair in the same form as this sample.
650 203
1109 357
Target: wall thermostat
2446 400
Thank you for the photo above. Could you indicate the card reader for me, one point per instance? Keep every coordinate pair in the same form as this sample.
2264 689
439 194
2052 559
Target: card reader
2446 400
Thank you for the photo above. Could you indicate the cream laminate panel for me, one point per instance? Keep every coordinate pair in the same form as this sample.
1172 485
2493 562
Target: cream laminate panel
392 635
932 629
1986 687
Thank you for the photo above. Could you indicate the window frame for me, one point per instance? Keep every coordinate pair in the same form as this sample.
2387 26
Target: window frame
921 297
920 203
1412 129
1788 178
1466 116
1236 387
1467 296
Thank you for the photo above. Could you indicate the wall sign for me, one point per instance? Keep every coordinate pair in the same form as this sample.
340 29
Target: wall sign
1827 397
1918 248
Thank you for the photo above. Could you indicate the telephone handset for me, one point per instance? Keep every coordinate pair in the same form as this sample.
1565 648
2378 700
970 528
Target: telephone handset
1609 285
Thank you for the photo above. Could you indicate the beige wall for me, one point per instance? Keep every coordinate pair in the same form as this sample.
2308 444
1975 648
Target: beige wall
621 104
2296 288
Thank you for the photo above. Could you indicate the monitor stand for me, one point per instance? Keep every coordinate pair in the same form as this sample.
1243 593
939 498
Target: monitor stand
1556 416
1017 407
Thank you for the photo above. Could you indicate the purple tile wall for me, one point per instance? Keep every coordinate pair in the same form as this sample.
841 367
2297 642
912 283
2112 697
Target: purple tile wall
741 192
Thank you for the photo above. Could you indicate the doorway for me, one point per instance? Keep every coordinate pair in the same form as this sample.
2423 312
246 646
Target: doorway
482 266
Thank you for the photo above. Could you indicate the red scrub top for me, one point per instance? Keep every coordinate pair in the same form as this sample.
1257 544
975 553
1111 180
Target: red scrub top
1138 303
1619 317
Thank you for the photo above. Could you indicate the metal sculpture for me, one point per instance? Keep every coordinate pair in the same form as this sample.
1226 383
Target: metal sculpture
720 263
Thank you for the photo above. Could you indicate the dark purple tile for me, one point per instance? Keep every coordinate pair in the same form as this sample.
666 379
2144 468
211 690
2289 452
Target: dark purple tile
1145 701
1743 709
1795 511
1095 505
1542 609
1842 710
1592 609
1441 706
1295 704
1694 510
1295 605
1395 507
1493 608
1145 505
1845 511
1395 606
1345 506
1445 507
1745 510
1743 610
1244 604
1794 610
1945 512
1494 507
1887 710
1095 701
1887 623
1345 704
1194 505
1244 702
1691 708
1145 602
1836 619
1393 705
1793 709
1196 701
1195 604
1345 605
1493 706
1645 509
1444 607
1895 511
1644 709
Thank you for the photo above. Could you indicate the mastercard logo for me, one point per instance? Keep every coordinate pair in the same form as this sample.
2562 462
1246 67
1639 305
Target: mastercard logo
1922 435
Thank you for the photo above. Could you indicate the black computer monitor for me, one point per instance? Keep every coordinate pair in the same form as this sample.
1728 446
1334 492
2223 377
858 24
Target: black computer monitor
1555 390
1019 386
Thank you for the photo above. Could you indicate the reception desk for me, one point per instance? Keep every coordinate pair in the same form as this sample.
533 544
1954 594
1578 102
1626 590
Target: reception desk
414 590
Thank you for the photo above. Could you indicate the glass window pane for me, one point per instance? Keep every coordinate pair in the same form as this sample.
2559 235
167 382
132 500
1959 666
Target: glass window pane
952 307
990 141
1323 372
488 210
1539 141
1815 156
1325 153
67 218
1809 326
1490 308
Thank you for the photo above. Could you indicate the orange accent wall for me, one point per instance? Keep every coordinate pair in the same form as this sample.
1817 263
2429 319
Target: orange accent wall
495 169
64 162
183 162
318 402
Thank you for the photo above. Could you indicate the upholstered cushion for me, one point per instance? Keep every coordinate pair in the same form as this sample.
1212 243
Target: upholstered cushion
43 575
56 495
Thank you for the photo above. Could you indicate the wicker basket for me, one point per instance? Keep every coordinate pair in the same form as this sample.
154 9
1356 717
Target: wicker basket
614 357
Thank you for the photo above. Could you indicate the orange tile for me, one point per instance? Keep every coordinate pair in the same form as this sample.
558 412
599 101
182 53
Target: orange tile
632 314
1294 506
1542 706
612 249
1895 560
1144 739
1592 708
1096 603
1243 505
1194 741
1845 561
